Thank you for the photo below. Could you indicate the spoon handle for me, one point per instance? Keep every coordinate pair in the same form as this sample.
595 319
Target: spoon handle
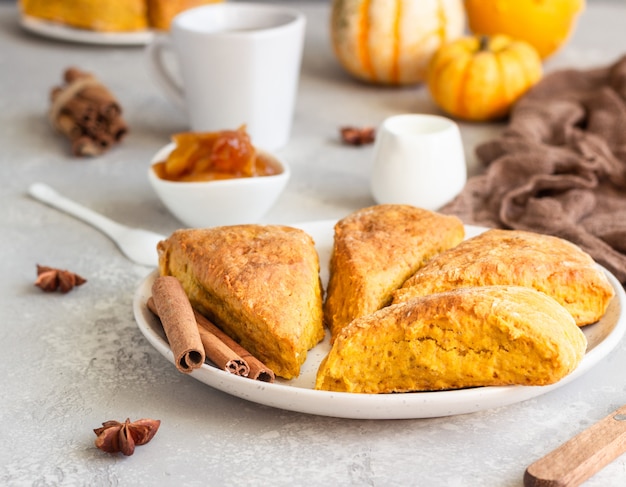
582 456
46 194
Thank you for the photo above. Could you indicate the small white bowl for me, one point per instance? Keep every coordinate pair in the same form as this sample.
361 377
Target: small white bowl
222 202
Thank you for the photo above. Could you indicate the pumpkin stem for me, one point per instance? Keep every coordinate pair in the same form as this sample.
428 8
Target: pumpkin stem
483 43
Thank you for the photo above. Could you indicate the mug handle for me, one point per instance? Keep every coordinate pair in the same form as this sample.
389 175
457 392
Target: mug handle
162 76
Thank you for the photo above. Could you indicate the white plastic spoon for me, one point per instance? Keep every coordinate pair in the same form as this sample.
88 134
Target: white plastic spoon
136 244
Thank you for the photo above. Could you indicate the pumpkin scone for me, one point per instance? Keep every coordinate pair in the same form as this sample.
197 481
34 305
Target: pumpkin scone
549 264
375 250
259 283
96 15
468 337
109 15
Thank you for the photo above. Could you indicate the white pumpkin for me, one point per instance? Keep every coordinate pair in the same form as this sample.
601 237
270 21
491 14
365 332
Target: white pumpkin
392 41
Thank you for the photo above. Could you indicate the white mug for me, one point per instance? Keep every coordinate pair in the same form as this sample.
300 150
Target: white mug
418 160
239 64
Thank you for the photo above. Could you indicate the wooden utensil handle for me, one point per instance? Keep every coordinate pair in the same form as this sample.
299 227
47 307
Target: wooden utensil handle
579 458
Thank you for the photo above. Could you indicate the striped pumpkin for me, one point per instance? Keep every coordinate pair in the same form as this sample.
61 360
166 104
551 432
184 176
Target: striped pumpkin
391 41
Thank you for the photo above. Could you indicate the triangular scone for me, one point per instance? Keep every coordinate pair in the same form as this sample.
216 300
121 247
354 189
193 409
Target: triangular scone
468 337
514 257
375 250
259 283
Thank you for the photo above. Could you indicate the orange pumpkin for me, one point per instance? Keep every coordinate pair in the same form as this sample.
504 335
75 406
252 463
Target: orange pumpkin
545 24
479 78
391 41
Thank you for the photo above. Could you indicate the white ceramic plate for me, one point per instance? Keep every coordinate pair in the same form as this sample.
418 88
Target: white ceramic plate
66 33
299 395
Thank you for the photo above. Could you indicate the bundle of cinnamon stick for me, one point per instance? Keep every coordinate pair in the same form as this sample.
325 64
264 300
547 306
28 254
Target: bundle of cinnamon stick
192 337
86 112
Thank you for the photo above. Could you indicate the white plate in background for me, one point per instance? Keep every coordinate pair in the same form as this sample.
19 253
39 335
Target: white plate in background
55 30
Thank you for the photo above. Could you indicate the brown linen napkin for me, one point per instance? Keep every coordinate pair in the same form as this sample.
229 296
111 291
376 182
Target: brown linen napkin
559 167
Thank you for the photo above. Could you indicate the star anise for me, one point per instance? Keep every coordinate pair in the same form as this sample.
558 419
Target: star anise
114 437
50 279
357 135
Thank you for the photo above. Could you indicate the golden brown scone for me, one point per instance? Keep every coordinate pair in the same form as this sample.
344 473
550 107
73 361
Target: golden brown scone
259 283
483 336
110 15
512 257
375 250
96 15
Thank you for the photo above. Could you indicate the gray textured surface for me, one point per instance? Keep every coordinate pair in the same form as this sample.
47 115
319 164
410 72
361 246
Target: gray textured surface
70 362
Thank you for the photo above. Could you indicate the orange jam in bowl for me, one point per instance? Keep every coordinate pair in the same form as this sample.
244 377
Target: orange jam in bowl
210 156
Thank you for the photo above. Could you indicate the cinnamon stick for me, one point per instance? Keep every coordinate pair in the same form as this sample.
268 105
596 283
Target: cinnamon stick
221 355
216 350
87 113
68 126
176 314
117 129
93 92
258 370
72 74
